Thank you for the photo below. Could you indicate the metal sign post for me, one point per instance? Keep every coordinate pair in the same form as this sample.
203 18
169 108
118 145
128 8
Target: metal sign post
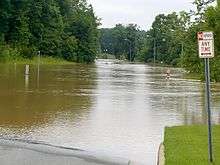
208 107
206 51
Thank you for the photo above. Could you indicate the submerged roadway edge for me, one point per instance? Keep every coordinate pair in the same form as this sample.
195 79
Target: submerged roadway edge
161 155
15 151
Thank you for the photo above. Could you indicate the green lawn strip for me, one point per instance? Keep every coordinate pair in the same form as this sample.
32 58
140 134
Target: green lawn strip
188 145
43 60
193 76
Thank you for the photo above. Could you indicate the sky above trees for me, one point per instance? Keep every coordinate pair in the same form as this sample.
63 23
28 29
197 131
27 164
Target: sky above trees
141 12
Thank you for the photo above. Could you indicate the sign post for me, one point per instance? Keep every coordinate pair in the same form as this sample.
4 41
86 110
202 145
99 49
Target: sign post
206 51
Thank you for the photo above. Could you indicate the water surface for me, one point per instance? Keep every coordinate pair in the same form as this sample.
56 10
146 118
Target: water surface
115 109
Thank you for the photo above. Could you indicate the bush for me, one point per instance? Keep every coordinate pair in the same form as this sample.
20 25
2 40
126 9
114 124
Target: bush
27 52
175 62
8 54
69 49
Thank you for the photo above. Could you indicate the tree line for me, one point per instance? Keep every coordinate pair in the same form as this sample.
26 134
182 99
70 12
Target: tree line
163 42
172 39
122 41
59 28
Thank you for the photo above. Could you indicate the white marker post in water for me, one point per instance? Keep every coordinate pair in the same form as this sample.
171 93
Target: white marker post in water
206 51
27 69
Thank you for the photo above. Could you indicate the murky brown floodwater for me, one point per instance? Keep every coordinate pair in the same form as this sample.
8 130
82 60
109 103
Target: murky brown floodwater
115 109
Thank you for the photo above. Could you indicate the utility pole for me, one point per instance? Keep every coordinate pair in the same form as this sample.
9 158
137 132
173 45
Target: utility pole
182 49
155 49
130 53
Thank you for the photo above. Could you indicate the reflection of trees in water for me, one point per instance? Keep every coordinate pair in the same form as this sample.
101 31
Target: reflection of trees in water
193 117
178 96
61 90
193 110
215 102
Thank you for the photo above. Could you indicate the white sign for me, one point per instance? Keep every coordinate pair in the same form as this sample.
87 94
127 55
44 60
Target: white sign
206 44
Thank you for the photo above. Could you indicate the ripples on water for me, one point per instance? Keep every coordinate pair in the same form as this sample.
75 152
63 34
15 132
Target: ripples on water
115 109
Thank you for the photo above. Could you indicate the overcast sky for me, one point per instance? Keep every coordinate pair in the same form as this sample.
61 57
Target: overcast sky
141 12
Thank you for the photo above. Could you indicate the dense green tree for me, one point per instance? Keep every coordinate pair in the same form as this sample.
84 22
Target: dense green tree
107 41
120 41
59 28
84 28
19 33
5 8
165 38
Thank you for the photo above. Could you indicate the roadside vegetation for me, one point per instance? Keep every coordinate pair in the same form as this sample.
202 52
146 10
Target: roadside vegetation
105 56
41 61
65 29
188 145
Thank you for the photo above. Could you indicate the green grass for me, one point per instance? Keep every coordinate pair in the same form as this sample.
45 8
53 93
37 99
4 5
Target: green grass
193 76
43 60
106 56
189 145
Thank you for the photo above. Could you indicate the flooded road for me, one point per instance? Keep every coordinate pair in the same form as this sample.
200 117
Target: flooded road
113 109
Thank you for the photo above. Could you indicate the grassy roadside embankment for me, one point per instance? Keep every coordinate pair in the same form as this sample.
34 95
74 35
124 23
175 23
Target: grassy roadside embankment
193 76
43 61
188 145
